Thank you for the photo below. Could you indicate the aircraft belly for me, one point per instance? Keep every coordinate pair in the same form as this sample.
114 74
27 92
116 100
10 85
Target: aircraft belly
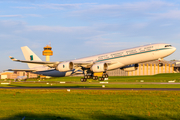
52 73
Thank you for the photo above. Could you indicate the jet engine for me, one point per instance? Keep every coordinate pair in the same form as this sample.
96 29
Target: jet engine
130 68
65 66
99 67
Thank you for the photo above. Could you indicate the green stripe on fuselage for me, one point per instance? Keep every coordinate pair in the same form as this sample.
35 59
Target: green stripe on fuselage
133 54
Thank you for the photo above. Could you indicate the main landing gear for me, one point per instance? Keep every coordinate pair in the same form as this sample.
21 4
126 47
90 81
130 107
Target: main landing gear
104 76
86 77
83 79
95 77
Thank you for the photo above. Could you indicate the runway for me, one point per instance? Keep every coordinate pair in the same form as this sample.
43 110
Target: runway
117 89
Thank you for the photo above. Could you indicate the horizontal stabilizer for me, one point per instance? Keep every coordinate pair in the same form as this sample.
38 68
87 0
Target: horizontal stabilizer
26 70
47 63
54 64
33 62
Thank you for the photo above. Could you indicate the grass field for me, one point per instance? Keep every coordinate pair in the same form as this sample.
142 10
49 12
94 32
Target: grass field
151 78
165 77
45 104
89 105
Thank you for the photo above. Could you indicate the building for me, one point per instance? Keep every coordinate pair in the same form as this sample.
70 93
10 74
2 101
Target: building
5 75
148 68
47 52
13 75
176 66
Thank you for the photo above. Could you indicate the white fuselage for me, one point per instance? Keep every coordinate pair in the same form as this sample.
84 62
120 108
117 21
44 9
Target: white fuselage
126 57
132 56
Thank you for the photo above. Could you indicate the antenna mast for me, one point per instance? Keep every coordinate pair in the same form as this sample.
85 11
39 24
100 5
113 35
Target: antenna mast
49 43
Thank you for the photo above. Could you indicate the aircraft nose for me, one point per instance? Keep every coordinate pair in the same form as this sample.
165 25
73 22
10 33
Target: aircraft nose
173 49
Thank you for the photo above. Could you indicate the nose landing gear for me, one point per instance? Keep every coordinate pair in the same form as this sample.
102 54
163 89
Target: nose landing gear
160 63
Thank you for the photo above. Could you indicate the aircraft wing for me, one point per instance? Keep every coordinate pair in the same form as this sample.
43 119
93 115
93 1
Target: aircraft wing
50 64
91 63
27 70
54 64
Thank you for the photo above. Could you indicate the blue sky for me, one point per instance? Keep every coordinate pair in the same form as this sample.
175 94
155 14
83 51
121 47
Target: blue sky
79 28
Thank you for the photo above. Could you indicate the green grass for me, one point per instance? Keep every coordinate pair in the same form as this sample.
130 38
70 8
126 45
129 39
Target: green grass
165 77
89 105
154 78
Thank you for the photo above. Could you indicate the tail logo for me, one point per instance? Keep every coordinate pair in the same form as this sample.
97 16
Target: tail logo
11 58
31 57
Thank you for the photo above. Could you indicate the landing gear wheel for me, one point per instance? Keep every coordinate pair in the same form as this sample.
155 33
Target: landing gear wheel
95 77
87 77
101 79
85 80
82 79
105 76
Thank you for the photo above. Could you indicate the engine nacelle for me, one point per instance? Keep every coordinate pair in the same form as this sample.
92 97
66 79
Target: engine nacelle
99 67
130 68
65 66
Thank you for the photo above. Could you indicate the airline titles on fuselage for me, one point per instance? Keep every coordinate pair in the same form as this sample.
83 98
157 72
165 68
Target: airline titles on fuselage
128 52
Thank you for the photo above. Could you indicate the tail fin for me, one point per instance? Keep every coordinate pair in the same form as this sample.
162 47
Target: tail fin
30 55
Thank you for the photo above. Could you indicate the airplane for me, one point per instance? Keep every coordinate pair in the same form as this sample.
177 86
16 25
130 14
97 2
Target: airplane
126 60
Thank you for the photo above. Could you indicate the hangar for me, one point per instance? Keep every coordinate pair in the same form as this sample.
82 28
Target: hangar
177 66
148 68
13 75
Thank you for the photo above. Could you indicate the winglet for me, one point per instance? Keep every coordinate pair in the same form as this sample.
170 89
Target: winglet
12 58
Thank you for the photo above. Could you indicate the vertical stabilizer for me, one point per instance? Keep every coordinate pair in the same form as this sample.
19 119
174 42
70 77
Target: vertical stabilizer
30 56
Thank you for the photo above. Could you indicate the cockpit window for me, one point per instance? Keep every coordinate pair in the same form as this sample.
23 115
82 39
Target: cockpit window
168 45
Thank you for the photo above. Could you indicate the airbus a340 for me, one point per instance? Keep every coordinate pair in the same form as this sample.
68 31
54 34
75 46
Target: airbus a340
127 60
